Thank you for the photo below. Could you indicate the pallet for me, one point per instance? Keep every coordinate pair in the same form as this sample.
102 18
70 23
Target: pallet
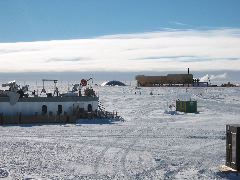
226 169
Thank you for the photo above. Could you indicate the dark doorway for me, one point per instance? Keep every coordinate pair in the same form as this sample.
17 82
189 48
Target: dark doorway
59 109
89 108
44 109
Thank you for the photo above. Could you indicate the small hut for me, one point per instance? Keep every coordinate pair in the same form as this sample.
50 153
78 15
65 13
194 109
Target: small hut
186 106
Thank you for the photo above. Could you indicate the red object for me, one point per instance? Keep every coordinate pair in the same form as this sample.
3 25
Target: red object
83 82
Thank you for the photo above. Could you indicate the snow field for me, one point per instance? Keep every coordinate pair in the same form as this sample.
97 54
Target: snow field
150 144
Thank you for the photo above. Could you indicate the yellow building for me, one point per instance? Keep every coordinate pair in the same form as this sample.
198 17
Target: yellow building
169 80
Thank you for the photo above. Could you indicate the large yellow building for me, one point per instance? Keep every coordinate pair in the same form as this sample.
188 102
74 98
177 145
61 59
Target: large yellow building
169 80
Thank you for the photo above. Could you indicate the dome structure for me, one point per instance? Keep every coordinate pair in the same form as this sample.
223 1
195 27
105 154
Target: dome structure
113 83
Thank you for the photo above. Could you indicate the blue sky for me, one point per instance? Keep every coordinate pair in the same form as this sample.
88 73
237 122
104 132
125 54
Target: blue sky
34 20
119 35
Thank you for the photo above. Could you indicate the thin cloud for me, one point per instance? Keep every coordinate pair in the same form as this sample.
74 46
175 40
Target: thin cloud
167 50
168 57
67 60
170 32
178 23
186 58
7 51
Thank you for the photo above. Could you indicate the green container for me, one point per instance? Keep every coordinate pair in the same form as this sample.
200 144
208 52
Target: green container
186 106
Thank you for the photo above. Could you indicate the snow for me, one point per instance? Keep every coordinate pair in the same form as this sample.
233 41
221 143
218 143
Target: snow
150 144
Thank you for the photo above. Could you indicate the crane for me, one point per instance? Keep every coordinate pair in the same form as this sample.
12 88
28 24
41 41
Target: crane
55 85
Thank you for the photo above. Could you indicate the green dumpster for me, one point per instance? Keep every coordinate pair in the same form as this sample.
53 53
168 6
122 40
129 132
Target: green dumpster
186 106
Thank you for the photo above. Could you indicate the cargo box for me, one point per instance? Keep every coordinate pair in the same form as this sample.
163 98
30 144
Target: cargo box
233 146
186 106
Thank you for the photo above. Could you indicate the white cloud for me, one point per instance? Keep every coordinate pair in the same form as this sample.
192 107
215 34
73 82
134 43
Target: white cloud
178 23
165 50
207 77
